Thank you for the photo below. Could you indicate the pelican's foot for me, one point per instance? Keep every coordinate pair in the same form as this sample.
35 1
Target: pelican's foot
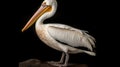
58 64
54 62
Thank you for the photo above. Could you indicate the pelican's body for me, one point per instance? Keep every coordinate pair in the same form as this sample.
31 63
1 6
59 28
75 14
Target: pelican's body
43 32
59 36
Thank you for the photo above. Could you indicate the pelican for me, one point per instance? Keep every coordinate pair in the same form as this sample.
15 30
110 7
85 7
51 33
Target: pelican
61 37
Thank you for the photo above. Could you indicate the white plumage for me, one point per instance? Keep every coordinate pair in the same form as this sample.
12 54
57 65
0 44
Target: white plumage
71 36
59 36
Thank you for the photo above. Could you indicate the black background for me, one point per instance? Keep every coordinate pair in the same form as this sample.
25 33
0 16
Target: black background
21 46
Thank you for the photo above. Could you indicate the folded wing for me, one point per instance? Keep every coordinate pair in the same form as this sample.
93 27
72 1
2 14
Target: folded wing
71 36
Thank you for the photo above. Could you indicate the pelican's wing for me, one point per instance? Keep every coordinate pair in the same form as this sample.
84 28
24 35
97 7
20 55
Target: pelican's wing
71 36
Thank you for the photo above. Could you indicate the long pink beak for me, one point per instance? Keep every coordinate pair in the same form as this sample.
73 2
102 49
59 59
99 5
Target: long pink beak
44 8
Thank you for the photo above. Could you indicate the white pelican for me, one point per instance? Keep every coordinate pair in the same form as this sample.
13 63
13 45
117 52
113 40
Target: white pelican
59 36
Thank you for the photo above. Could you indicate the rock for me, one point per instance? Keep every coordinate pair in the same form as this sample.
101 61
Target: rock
38 63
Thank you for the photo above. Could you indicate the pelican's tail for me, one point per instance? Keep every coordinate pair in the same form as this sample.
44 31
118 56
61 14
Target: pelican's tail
87 52
90 53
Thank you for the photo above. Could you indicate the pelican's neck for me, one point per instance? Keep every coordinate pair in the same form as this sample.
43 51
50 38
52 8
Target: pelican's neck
39 22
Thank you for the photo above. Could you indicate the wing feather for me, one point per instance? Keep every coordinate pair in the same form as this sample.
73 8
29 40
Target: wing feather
71 36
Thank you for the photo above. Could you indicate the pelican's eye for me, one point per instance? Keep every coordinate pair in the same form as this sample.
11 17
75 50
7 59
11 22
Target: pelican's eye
44 3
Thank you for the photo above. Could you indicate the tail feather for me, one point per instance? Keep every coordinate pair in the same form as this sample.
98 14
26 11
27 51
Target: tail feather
90 38
87 52
90 53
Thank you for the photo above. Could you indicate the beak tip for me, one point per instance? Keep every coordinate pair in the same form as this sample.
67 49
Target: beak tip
22 30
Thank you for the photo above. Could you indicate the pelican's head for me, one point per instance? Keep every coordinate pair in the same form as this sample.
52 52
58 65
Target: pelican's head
53 7
46 10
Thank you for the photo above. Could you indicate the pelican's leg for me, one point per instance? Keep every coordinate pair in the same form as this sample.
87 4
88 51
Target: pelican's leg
65 63
62 58
66 60
59 62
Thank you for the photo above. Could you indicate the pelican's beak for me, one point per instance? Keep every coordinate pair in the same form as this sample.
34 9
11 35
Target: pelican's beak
44 8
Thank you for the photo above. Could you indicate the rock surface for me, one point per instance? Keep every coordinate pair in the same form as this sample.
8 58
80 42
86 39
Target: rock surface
38 63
